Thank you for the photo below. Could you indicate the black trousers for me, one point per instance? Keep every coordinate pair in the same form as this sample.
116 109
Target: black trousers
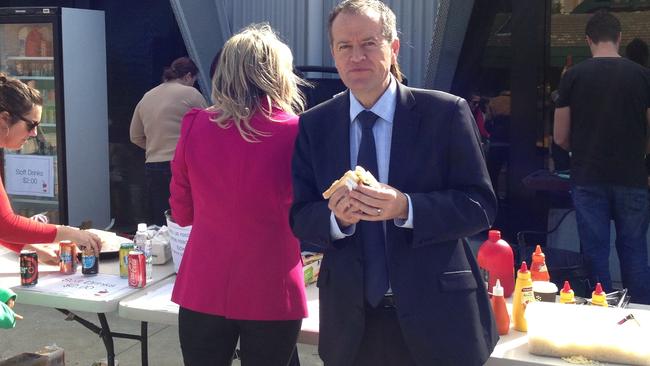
211 340
157 179
383 343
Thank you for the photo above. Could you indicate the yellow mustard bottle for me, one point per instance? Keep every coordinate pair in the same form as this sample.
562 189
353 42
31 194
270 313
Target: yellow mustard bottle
522 296
566 295
598 297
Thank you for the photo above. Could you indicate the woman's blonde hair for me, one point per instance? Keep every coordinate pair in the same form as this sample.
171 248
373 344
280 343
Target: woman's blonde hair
254 72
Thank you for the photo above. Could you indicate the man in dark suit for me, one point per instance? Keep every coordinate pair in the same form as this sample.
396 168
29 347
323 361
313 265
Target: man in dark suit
397 286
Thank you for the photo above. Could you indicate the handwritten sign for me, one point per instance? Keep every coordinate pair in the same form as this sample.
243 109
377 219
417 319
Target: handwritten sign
100 286
29 175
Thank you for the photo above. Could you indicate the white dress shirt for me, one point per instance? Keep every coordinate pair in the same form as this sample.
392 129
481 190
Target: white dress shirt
384 108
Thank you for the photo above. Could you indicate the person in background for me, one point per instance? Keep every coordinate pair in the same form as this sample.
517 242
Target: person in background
20 115
479 115
602 118
396 280
498 125
156 125
214 64
637 51
241 276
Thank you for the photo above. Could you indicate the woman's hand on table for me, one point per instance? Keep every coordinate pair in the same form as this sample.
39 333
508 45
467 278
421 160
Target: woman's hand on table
85 240
47 254
88 240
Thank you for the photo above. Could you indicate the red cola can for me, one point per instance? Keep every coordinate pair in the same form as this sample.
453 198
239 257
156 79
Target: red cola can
137 269
28 268
67 257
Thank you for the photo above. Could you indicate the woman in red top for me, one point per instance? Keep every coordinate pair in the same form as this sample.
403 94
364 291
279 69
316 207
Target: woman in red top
241 275
20 115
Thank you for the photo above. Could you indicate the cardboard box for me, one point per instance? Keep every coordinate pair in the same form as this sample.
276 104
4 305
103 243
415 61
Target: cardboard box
47 356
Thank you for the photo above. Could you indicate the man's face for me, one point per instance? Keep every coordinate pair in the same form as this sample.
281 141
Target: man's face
362 55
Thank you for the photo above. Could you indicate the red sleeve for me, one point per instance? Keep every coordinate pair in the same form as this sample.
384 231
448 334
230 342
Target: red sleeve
21 230
11 246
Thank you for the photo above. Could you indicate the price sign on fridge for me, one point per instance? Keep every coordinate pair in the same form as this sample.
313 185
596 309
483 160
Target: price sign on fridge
31 175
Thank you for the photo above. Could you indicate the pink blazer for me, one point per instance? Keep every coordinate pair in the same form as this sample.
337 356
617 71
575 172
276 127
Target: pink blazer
241 260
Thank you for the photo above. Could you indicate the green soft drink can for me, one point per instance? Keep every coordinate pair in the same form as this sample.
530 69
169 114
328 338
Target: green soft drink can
125 248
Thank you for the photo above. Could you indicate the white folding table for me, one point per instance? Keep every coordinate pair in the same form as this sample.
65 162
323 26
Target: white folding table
98 294
154 304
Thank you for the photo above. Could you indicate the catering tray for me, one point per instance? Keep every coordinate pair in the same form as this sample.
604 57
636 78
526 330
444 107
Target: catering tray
110 243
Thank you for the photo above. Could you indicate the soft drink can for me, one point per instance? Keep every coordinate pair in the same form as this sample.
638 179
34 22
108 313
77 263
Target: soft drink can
28 268
125 248
67 257
89 264
137 269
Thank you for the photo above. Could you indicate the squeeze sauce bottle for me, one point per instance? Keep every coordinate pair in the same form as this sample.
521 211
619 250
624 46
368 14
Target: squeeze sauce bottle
566 295
538 269
598 297
496 260
523 295
499 309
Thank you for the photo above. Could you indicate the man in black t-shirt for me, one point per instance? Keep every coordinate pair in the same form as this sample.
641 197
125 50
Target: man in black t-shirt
602 118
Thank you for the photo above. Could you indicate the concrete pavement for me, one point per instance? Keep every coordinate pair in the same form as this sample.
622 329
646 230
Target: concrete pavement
45 326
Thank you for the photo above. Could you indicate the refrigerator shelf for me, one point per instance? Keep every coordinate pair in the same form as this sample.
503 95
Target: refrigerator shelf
34 77
30 58
54 201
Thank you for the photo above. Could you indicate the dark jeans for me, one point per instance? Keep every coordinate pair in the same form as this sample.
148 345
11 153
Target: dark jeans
157 179
382 343
628 207
211 340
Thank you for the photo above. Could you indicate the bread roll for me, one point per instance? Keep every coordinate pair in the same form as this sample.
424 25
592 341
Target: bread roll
351 179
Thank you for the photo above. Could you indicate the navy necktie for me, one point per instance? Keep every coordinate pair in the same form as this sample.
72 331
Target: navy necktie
372 232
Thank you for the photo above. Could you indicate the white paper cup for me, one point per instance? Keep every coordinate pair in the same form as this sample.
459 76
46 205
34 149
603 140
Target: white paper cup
544 291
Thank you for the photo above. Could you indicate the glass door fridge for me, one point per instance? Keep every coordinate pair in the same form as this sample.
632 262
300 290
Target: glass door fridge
63 171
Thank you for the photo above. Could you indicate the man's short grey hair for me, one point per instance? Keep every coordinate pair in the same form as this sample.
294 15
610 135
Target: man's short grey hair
386 15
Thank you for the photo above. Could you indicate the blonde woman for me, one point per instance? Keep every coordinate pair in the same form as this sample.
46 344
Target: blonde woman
241 276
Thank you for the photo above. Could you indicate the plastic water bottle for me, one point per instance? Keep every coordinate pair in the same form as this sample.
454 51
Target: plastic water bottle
143 244
140 237
148 251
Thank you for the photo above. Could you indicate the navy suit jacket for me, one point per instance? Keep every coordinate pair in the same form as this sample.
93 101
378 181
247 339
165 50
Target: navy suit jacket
436 158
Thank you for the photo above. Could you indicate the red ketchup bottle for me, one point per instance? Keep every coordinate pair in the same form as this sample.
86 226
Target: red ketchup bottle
538 269
501 316
496 260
